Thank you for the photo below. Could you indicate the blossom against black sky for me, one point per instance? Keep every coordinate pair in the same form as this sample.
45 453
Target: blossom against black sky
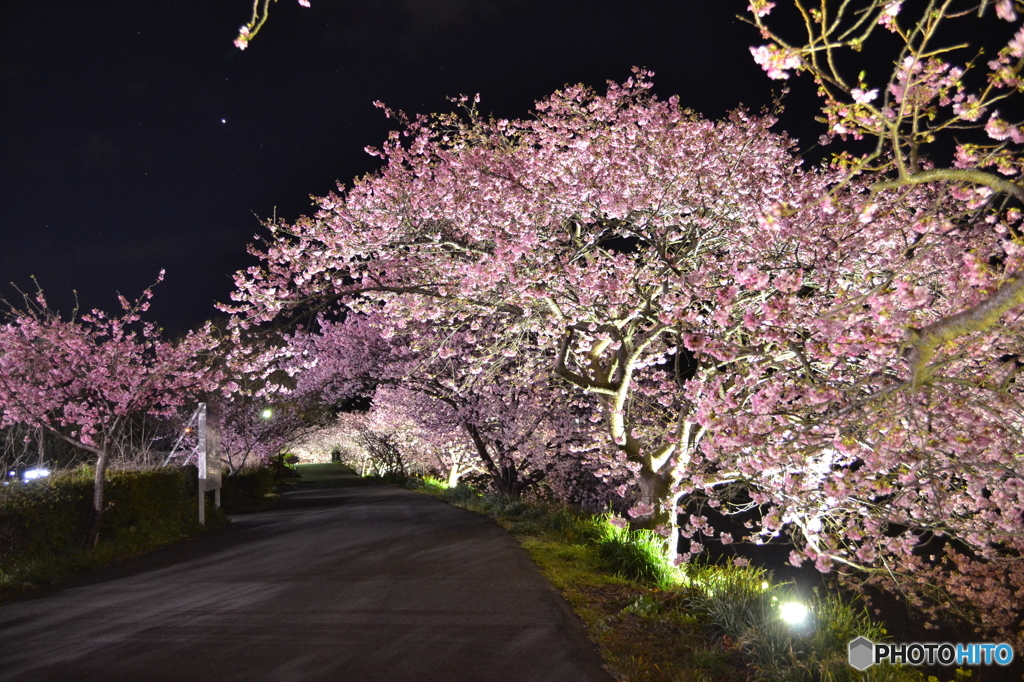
136 137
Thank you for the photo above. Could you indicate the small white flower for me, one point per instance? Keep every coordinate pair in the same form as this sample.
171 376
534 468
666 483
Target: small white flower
863 96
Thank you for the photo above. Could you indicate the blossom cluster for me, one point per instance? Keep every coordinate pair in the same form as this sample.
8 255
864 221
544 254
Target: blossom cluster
742 330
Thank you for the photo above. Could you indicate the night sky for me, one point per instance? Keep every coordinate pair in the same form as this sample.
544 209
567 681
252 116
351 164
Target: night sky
134 136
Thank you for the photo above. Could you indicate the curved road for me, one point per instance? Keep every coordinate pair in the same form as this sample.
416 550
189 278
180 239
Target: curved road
356 584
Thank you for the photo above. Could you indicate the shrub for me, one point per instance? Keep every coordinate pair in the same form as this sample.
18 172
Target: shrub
39 517
575 527
460 494
151 506
635 555
43 524
248 491
394 478
735 599
821 653
283 466
505 505
742 603
434 483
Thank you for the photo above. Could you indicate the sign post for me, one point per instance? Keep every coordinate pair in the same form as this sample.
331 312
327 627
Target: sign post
209 458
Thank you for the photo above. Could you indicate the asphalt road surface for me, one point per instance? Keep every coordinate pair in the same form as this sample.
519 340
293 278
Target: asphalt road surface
352 584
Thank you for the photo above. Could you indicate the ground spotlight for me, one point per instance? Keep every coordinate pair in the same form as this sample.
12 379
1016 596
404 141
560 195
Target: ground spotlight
793 613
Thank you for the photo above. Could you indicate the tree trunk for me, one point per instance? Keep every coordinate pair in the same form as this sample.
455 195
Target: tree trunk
504 478
93 536
453 475
656 490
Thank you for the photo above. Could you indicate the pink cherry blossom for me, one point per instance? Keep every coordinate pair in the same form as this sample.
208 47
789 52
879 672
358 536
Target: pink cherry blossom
1005 11
83 379
761 8
725 317
775 61
864 96
944 364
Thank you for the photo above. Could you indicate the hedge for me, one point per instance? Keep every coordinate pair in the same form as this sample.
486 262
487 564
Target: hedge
43 523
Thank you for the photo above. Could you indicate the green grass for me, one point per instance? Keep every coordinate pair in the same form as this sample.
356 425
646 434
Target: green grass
655 623
636 555
638 634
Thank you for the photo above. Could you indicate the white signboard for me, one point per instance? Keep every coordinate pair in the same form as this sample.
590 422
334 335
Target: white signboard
210 461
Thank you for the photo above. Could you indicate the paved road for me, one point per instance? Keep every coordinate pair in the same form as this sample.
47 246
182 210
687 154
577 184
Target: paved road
355 584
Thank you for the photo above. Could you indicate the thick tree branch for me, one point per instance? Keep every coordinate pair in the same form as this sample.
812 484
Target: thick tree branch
575 379
976 177
925 341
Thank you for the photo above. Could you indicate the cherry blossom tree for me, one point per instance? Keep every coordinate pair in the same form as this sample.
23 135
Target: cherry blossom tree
465 381
936 101
387 454
740 321
254 431
434 441
520 430
85 378
264 408
381 441
916 380
602 231
338 438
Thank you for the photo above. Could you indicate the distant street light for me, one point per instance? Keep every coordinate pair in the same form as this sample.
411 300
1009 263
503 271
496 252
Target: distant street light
267 413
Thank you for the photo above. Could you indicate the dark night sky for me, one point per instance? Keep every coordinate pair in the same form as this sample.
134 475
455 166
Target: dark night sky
114 162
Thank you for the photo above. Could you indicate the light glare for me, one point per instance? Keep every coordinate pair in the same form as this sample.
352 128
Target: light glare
793 613
33 474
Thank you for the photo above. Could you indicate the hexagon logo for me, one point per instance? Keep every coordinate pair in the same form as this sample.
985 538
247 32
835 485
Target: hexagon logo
862 653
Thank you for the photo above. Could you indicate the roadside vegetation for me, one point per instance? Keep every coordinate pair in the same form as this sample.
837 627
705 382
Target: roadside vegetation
44 525
653 622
